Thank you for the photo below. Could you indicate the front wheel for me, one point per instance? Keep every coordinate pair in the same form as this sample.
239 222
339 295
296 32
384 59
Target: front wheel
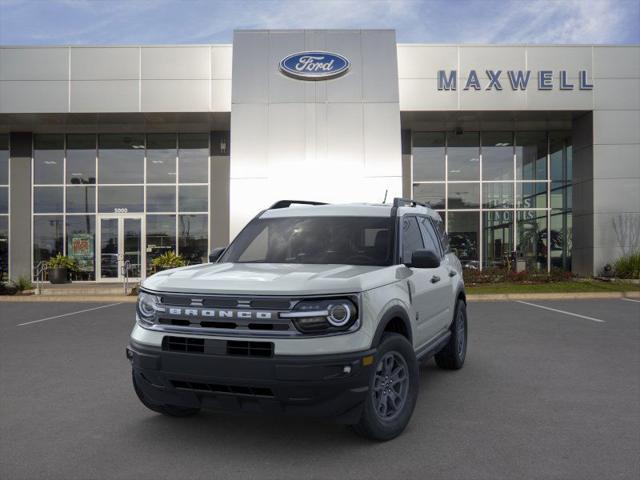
452 356
393 390
169 410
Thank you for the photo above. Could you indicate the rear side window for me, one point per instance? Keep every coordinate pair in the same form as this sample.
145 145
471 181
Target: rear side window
411 238
430 237
442 233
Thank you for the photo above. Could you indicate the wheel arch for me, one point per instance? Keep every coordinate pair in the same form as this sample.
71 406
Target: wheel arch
396 320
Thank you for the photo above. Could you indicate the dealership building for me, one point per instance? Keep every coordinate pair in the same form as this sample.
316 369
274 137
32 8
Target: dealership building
114 154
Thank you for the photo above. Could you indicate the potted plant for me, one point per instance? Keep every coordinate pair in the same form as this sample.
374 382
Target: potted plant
60 267
166 261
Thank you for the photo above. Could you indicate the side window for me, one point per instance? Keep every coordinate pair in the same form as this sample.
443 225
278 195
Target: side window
430 238
411 238
444 238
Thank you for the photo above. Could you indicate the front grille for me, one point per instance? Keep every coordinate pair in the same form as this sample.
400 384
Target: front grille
228 389
217 347
250 349
183 344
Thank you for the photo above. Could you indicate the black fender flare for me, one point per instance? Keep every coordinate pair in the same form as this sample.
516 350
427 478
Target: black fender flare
395 311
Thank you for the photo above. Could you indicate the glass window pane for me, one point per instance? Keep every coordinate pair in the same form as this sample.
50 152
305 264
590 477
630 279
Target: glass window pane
161 158
121 159
497 156
122 199
560 195
429 236
464 235
193 238
4 159
132 243
428 157
47 199
81 199
47 237
411 238
4 247
497 195
161 237
464 195
431 193
531 155
531 195
81 159
194 158
531 250
4 199
559 153
48 159
194 199
561 239
498 237
463 154
161 199
81 244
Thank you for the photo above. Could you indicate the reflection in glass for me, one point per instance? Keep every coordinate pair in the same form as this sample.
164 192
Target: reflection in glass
121 158
4 159
161 158
194 198
112 198
561 239
161 237
560 156
4 247
47 199
81 159
81 240
47 237
109 249
497 195
464 195
161 199
431 193
81 199
193 237
498 237
48 159
428 157
132 243
531 249
4 200
497 156
561 195
531 195
193 157
464 234
463 156
531 155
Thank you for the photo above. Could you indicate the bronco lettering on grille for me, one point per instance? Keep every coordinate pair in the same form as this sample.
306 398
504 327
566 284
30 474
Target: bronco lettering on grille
214 313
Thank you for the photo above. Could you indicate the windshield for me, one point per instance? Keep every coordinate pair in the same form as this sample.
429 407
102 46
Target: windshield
341 240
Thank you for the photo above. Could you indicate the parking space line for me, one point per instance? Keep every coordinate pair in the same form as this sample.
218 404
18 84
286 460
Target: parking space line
562 311
68 314
630 300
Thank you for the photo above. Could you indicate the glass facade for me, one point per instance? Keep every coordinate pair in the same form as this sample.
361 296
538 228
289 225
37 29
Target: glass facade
4 206
505 196
111 198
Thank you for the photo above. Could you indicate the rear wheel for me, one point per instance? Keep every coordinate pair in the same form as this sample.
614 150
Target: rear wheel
452 356
169 410
393 390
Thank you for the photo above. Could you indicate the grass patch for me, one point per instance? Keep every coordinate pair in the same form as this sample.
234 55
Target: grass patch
553 287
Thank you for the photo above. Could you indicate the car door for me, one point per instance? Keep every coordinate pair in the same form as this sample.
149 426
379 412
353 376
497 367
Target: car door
421 283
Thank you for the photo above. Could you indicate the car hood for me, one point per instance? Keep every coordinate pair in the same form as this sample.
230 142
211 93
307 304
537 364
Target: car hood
271 279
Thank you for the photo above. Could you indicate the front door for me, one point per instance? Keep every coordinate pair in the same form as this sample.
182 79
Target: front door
120 247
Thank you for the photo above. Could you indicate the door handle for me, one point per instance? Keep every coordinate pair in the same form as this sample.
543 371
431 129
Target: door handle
435 279
452 273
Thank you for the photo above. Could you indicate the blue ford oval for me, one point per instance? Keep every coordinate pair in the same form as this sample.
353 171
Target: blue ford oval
314 65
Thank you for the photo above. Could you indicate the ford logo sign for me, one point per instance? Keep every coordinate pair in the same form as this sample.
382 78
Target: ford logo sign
314 65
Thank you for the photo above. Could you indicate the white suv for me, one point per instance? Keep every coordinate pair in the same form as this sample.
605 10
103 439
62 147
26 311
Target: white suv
314 309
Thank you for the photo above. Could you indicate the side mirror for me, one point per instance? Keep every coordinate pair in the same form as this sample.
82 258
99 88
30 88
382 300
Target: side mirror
216 253
424 259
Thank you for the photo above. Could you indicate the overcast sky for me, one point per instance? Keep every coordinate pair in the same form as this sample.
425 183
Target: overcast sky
213 21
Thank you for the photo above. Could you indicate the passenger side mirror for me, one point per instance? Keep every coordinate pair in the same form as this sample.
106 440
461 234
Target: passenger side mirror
424 259
216 253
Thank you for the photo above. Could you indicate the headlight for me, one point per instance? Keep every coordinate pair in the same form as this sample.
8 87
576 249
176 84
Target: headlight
148 305
323 316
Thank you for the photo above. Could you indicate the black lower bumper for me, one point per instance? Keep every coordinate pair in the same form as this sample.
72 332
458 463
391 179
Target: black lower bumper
326 385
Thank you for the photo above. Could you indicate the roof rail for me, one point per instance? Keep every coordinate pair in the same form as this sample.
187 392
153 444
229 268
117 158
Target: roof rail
288 203
402 202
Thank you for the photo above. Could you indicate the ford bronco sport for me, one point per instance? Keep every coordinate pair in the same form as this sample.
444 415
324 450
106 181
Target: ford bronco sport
314 309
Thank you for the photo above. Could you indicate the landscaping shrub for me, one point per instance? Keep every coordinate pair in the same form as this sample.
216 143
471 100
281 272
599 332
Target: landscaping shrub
628 266
23 283
502 275
167 260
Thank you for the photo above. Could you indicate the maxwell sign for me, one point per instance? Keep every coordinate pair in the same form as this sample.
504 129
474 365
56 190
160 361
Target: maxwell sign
314 65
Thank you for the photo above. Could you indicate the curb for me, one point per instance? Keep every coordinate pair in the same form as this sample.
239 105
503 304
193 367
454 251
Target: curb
502 297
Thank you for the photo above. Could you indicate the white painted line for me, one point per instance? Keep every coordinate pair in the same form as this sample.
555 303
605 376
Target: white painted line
630 300
562 311
70 313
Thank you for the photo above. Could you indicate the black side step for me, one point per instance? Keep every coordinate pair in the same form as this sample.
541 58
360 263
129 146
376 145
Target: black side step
433 347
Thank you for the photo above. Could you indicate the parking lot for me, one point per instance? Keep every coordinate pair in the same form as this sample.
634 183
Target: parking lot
551 389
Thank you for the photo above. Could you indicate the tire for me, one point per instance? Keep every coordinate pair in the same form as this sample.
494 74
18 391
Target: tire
169 410
375 424
452 356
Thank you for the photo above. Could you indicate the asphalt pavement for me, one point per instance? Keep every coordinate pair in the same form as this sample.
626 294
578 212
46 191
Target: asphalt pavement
551 389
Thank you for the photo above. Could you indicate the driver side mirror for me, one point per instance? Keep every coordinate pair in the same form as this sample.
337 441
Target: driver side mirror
216 253
424 259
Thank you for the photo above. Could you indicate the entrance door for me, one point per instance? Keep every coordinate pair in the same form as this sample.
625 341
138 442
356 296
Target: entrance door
120 247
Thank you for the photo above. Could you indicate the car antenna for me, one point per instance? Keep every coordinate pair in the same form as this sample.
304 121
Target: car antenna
385 196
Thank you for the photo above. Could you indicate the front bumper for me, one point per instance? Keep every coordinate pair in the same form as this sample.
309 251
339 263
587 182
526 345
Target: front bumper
311 385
